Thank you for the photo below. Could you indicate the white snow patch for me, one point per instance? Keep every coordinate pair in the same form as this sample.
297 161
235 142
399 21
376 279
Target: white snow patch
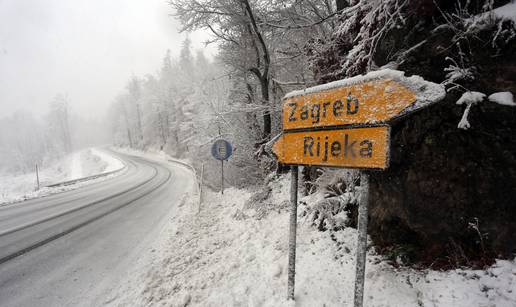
503 98
507 11
469 99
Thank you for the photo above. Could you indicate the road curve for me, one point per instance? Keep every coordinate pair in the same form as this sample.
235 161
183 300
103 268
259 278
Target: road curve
71 248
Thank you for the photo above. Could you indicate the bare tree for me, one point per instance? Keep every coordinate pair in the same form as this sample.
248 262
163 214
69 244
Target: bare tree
234 23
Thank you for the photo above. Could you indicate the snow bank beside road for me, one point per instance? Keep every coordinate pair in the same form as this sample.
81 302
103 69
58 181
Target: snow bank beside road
235 254
111 163
77 165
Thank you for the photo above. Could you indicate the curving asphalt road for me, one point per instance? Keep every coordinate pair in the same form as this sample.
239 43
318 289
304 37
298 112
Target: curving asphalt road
70 249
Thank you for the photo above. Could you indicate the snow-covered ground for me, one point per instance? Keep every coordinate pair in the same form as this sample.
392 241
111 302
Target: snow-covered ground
234 253
80 164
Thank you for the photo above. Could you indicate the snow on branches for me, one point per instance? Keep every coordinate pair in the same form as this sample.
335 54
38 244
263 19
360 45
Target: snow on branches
373 20
469 99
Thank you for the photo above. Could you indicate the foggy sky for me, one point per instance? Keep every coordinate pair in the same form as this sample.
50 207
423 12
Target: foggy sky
87 49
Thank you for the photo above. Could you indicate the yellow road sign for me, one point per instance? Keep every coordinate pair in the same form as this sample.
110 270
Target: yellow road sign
375 101
352 148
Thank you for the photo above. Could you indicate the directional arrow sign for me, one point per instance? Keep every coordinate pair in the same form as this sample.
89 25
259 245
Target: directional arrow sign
374 98
333 125
351 148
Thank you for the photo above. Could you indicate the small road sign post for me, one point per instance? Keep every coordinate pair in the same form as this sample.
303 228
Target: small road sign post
346 124
37 177
221 150
201 182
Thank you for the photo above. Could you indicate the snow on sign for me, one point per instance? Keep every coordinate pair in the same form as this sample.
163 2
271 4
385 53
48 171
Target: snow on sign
353 148
371 99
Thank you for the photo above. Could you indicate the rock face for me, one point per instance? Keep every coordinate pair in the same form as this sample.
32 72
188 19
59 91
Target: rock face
449 192
449 196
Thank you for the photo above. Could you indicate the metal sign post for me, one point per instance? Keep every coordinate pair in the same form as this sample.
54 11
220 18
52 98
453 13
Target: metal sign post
221 150
222 176
200 187
292 233
362 239
346 124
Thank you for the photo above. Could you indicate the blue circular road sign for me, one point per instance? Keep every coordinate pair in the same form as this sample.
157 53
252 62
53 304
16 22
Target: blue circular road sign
221 150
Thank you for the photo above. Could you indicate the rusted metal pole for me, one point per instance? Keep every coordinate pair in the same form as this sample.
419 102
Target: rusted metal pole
362 240
292 233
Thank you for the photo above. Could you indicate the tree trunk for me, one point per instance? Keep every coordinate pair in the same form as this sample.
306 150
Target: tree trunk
263 73
267 122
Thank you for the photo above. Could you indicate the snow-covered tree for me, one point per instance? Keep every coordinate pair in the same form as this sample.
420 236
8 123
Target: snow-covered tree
58 120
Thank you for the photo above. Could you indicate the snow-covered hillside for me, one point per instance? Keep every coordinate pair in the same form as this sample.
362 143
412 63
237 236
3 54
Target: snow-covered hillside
82 163
232 252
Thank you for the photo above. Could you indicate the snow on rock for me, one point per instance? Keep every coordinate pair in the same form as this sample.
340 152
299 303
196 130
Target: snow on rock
426 92
507 11
503 98
469 99
233 253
